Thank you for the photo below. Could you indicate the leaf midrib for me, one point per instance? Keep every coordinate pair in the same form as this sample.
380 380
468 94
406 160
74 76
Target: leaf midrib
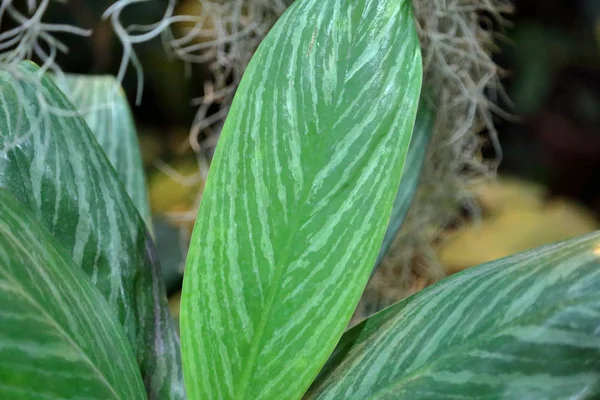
258 339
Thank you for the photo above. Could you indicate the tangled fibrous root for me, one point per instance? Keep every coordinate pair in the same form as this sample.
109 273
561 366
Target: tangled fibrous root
224 37
25 34
31 36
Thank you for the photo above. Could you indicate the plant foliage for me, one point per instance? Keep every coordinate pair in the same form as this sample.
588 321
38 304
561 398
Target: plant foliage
522 327
58 337
298 197
308 174
51 162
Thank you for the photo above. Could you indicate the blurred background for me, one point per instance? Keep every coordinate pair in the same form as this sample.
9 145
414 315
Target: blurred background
549 178
548 185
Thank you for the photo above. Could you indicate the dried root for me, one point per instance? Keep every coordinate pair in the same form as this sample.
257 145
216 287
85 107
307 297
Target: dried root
224 37
28 35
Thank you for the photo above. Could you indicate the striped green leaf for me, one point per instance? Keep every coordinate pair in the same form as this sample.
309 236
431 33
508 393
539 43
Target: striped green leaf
298 197
58 337
50 160
422 132
104 106
523 327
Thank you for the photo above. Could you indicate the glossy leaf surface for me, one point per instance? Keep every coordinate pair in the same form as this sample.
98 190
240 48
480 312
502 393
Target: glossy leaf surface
298 197
58 337
50 161
523 327
103 105
422 132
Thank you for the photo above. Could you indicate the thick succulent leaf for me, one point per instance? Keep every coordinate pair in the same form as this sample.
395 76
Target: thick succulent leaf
104 106
523 327
51 162
422 132
58 337
298 197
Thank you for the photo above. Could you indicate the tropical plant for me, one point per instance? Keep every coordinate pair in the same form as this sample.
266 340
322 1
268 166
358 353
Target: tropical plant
308 174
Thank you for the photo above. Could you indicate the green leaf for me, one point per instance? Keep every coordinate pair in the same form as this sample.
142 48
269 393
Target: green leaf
104 106
523 327
298 197
58 337
50 161
422 132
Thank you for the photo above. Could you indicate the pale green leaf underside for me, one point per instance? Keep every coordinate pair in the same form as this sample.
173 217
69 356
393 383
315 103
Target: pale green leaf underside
422 133
524 327
103 105
58 337
51 162
298 197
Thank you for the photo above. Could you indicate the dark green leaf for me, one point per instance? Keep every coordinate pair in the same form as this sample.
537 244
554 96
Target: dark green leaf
50 160
58 337
104 106
523 327
298 197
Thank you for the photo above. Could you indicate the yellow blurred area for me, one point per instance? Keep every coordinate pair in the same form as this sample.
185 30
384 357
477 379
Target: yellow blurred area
174 190
182 28
517 217
174 307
